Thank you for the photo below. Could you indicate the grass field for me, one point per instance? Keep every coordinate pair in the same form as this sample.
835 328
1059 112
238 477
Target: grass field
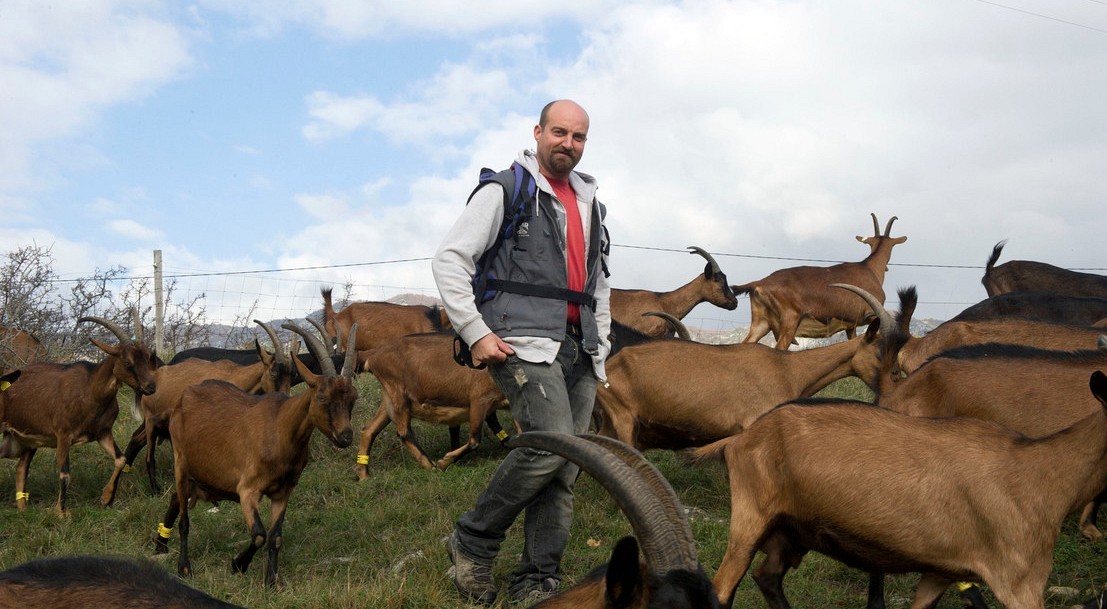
377 543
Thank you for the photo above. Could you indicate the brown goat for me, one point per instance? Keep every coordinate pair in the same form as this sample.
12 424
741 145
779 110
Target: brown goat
1042 335
61 405
378 322
230 445
18 348
974 381
420 380
675 394
669 575
629 306
969 500
270 373
96 581
1031 276
796 302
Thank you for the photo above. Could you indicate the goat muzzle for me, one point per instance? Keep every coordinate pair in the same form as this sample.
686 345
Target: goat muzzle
343 438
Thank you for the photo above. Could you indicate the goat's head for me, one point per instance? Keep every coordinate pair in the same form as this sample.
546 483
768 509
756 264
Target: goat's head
332 403
868 363
134 363
278 369
877 239
670 575
719 292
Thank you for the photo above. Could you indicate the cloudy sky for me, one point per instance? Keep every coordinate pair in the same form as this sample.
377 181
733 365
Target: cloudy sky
340 138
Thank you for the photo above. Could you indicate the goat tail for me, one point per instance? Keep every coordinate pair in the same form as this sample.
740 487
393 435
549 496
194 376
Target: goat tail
716 451
994 257
748 288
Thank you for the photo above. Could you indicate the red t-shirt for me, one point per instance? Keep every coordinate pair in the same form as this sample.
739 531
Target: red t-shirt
574 243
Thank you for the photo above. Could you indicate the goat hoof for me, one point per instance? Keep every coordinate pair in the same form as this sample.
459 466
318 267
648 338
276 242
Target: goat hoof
238 567
1090 532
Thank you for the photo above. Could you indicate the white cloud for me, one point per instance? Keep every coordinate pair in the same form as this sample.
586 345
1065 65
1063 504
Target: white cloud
62 65
134 231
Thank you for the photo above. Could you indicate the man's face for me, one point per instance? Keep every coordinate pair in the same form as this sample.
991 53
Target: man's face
561 141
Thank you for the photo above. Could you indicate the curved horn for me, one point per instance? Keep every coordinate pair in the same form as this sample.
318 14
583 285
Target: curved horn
315 346
665 549
278 348
319 326
886 319
888 228
711 261
876 225
350 362
681 329
658 484
116 330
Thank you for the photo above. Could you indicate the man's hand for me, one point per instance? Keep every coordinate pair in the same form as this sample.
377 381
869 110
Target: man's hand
490 350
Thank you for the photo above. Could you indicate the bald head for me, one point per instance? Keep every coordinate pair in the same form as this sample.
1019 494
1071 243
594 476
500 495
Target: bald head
561 133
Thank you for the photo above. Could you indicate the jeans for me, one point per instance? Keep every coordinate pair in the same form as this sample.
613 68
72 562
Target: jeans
544 397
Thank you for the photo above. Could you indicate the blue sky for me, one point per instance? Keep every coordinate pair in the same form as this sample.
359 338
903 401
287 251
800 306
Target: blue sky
240 136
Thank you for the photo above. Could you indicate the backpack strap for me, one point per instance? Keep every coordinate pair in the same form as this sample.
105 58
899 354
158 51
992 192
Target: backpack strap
520 196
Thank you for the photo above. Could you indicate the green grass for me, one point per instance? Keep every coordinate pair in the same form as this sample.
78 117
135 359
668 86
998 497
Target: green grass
377 543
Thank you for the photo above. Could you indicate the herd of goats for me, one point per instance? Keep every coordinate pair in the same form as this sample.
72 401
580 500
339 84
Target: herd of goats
992 466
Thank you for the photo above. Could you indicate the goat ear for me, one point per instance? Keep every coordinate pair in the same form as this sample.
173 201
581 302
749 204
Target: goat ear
623 581
873 330
265 356
309 377
1098 385
106 348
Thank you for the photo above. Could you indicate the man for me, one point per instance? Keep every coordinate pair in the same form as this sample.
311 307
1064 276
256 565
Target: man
543 335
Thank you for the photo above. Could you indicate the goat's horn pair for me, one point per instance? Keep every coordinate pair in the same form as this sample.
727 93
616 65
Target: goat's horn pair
123 337
702 252
278 349
681 329
315 346
641 491
886 319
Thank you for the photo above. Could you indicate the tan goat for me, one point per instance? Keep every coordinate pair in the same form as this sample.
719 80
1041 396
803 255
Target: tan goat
796 302
955 499
630 306
675 394
1030 275
420 380
975 381
230 445
270 373
62 405
378 322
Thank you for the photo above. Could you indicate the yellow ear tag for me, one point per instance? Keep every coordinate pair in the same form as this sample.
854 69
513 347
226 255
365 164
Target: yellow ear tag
4 385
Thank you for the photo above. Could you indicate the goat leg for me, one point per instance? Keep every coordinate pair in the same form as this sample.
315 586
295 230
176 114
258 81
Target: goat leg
257 534
107 442
929 591
780 556
369 433
63 476
21 470
1088 528
161 540
276 534
134 445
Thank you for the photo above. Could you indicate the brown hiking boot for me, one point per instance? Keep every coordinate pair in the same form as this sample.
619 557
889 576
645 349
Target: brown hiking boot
472 579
